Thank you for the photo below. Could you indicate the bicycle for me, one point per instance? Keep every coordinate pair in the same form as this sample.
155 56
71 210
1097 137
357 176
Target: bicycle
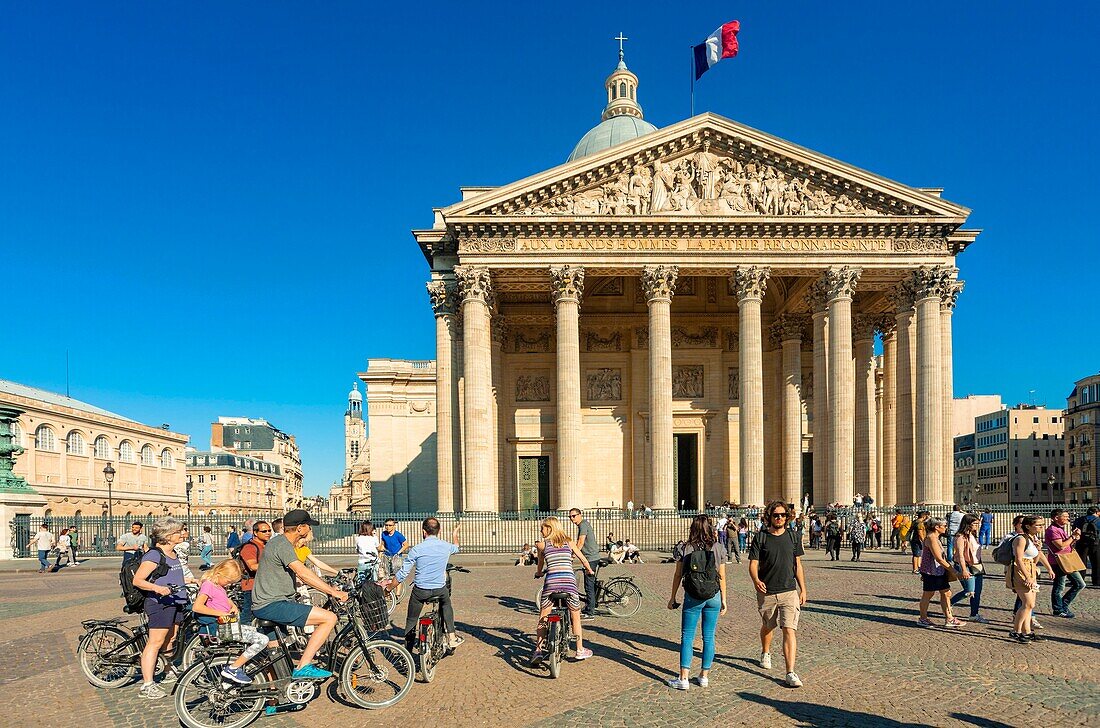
370 572
559 632
621 596
109 652
432 634
377 673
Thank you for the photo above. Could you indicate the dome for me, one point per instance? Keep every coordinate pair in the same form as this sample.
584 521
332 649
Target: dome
609 133
354 395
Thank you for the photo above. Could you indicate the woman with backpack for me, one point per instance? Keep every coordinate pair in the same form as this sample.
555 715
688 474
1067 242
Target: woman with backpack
917 535
833 535
702 571
1022 576
160 577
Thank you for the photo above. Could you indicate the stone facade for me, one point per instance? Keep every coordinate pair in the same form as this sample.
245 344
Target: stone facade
67 444
1082 426
224 483
1019 456
682 317
257 438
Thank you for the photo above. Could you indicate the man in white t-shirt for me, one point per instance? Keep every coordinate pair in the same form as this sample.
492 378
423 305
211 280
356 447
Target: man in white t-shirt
42 542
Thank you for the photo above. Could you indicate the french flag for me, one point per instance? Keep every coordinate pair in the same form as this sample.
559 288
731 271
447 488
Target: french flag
722 43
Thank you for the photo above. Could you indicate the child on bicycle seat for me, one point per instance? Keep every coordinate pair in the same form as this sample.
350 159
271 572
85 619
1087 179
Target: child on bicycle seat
214 605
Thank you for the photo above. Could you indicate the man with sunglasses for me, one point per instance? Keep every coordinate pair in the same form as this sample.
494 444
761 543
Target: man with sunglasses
250 554
775 566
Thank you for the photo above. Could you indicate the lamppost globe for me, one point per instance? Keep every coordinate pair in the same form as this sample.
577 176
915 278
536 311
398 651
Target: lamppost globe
187 491
269 495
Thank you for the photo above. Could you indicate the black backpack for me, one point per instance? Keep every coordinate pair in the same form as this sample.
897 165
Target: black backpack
701 574
1089 535
134 597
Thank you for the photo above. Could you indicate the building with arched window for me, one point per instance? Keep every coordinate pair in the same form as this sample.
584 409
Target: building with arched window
74 441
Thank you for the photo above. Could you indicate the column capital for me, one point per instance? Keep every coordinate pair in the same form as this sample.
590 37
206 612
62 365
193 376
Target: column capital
750 282
951 295
566 283
816 298
659 282
886 325
840 282
787 327
901 295
932 281
443 294
474 284
863 326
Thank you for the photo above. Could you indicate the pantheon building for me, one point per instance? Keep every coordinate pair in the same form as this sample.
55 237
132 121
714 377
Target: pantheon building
689 314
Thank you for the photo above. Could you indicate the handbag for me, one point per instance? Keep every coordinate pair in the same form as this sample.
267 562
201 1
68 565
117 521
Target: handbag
1070 562
978 568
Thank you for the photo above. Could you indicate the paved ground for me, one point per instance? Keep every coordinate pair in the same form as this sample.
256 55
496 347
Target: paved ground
862 657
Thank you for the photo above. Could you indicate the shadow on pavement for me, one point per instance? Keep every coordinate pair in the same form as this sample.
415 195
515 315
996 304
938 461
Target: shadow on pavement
605 648
977 720
514 646
750 666
522 606
811 714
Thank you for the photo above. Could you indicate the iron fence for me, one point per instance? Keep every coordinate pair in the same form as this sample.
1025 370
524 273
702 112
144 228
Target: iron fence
479 533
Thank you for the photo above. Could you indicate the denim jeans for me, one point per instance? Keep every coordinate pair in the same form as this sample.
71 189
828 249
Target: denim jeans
972 585
1060 602
951 547
43 559
694 608
205 554
984 534
246 607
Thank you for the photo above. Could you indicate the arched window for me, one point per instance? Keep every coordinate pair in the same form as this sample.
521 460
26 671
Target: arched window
44 439
74 443
632 92
16 434
622 88
147 455
166 458
102 448
125 452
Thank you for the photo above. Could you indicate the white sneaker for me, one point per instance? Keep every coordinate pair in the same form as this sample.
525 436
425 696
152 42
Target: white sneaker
766 660
793 681
1035 624
701 681
679 684
152 691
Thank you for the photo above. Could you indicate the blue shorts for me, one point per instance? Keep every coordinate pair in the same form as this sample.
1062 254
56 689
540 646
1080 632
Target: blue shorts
163 616
291 614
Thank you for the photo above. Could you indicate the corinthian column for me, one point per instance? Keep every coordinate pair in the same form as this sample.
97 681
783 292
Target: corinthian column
840 285
928 289
659 283
443 294
817 301
749 284
787 330
863 334
947 307
888 328
566 285
475 287
906 368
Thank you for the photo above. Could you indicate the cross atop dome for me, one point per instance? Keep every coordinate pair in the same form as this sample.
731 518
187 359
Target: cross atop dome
620 37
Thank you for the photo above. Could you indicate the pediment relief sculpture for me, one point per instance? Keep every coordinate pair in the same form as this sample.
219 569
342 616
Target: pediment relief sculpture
604 385
704 183
533 388
687 381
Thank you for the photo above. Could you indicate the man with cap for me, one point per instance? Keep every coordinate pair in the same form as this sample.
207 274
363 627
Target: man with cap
273 591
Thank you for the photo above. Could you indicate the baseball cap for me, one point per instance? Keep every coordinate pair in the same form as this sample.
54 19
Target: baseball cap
298 517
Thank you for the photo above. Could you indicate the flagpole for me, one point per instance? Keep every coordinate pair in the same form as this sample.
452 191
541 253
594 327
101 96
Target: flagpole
691 70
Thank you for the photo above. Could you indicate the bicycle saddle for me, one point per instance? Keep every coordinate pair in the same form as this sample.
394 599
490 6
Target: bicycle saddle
559 596
433 600
266 623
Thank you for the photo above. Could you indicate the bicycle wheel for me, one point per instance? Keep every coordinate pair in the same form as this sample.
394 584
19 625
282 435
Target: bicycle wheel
202 702
107 656
391 601
623 598
377 676
554 646
426 658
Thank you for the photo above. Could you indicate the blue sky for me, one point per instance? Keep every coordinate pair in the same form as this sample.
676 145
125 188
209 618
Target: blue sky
208 205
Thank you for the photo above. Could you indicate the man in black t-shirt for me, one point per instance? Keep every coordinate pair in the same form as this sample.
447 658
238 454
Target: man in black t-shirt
775 566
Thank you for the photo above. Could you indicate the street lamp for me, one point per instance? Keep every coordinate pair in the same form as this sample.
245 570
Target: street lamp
109 476
187 490
269 495
1050 481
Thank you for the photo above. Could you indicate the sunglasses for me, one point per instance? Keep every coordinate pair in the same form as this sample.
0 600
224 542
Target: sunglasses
263 530
779 514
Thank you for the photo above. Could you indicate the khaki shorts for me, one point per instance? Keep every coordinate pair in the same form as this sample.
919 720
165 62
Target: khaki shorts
779 610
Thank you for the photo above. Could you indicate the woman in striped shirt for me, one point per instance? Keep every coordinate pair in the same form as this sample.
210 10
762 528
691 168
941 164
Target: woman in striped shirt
556 552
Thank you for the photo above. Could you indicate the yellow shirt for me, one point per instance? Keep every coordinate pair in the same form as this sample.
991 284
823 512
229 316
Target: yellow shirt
303 553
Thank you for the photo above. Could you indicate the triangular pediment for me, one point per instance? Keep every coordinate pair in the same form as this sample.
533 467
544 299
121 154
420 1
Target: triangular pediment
707 166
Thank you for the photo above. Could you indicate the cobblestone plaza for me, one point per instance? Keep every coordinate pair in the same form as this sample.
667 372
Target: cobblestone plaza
862 657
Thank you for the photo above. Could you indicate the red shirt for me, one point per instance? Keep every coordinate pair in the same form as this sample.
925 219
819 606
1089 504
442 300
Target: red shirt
249 576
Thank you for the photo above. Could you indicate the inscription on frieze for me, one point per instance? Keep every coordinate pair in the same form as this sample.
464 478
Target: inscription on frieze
801 246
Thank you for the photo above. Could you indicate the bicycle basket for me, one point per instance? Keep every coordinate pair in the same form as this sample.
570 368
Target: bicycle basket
372 601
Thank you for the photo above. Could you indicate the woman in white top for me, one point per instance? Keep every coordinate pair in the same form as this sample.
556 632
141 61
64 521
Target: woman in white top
64 549
366 546
968 563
